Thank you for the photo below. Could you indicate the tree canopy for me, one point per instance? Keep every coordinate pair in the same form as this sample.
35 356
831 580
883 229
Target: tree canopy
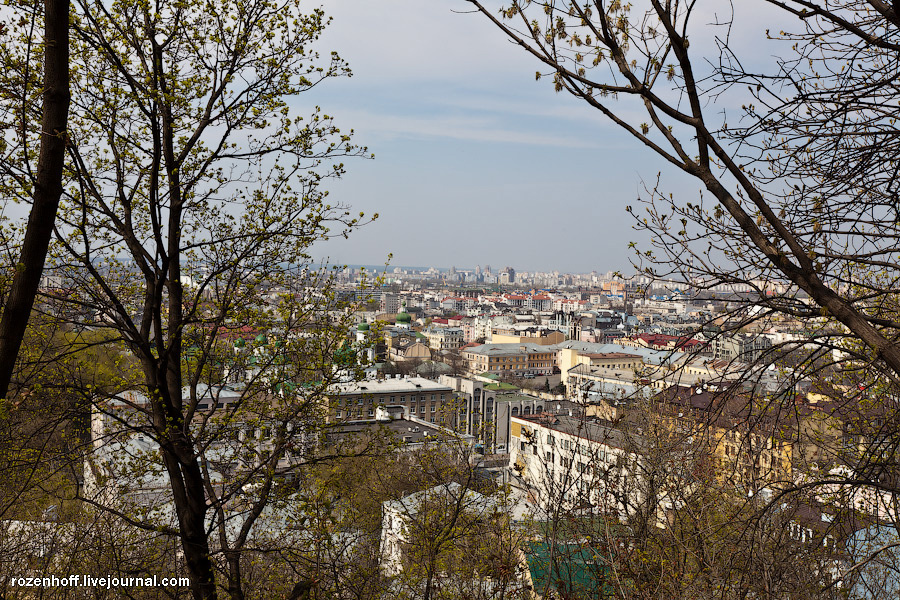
191 194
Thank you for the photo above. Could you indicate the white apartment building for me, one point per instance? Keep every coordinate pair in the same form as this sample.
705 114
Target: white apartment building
580 464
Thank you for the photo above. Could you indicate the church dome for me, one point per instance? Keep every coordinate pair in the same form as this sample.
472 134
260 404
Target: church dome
403 316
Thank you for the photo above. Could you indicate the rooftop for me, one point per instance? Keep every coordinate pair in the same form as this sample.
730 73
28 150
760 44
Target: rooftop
509 349
384 386
591 429
648 355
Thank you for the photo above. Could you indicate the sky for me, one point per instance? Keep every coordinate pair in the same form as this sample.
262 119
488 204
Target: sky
475 161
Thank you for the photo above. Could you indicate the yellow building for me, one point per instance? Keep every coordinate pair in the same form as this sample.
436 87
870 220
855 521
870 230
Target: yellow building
509 359
746 446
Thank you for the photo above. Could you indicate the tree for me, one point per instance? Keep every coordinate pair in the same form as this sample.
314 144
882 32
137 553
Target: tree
783 214
45 180
802 180
191 198
640 510
454 536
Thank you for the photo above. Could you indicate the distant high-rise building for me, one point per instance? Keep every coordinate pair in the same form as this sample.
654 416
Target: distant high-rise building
390 303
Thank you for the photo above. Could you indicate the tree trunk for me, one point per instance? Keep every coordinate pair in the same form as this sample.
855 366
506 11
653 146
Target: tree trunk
47 192
185 478
190 507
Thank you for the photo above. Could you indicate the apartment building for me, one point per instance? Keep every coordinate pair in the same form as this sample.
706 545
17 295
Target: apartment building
750 444
744 347
510 359
390 303
483 410
577 463
444 338
236 425
410 396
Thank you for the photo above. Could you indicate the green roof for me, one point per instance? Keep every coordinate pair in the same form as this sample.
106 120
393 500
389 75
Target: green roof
344 356
288 387
571 569
500 386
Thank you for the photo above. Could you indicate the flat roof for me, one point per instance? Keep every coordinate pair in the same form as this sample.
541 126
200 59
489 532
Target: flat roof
511 349
387 386
648 355
591 429
610 355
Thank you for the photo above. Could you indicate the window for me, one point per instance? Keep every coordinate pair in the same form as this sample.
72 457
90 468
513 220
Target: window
422 410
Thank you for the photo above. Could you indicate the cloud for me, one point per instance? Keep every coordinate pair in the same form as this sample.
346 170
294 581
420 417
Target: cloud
469 127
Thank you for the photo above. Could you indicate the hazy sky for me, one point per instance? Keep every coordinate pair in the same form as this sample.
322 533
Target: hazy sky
475 161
